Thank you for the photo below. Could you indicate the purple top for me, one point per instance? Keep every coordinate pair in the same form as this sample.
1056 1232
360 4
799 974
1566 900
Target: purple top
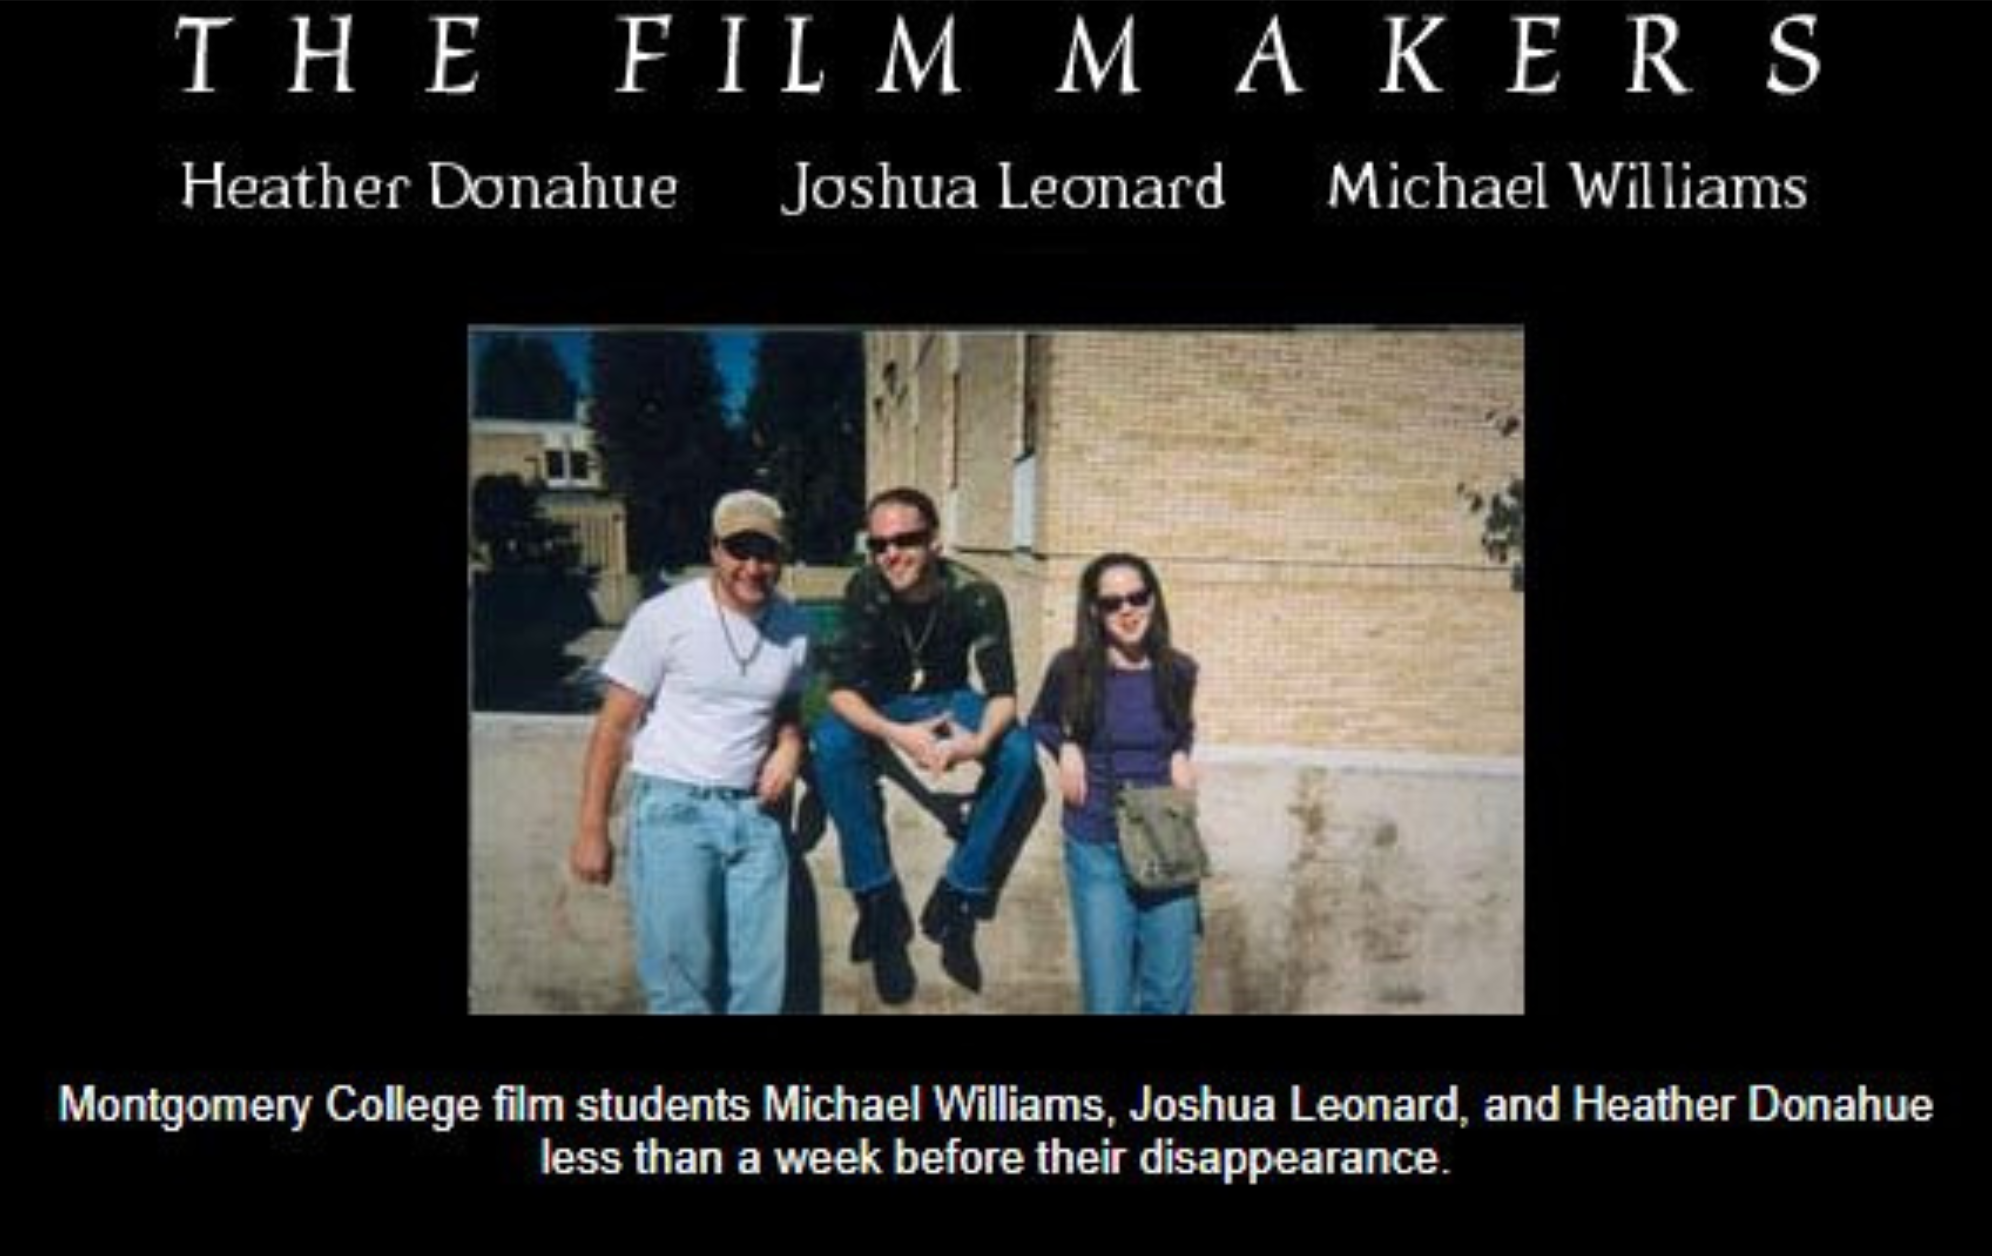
1133 747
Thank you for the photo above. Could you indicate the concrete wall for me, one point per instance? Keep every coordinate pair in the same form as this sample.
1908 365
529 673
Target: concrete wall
616 596
1345 884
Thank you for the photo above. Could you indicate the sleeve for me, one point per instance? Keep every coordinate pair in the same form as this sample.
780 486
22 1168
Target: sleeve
990 646
639 660
799 673
843 657
1045 722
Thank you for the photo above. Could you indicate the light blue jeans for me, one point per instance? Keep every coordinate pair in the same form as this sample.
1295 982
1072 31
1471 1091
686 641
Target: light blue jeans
708 890
1137 951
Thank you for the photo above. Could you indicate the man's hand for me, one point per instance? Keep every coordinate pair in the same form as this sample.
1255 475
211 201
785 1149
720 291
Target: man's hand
966 748
592 859
778 772
923 743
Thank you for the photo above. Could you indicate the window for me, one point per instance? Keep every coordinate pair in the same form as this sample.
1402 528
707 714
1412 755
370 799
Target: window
952 432
566 465
1030 409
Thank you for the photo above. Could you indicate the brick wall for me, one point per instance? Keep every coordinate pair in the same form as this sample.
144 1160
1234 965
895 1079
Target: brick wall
508 453
1296 491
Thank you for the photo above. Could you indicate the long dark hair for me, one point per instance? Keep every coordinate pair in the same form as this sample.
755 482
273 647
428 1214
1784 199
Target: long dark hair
1083 668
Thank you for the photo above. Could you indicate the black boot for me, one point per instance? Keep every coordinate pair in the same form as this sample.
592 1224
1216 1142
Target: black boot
884 929
949 919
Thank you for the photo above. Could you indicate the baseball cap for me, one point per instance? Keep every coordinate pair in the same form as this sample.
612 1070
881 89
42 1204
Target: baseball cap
747 511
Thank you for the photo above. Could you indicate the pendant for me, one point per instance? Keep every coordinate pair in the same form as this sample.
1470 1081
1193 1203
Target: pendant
919 678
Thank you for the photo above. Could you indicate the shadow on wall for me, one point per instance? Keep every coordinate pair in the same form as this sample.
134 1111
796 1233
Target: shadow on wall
521 624
946 804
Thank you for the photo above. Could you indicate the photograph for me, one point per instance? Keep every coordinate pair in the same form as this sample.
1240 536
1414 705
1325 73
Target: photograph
1280 570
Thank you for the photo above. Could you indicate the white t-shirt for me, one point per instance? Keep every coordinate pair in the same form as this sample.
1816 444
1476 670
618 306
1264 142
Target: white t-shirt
712 707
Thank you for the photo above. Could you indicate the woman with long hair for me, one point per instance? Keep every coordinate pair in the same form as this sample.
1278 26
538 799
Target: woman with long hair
1117 709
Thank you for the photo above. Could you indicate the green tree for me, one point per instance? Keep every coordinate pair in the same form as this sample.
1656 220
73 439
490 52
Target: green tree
528 603
1500 509
521 377
513 532
805 426
661 431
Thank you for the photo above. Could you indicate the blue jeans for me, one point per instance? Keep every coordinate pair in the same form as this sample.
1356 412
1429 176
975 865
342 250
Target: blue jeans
847 770
1137 951
708 890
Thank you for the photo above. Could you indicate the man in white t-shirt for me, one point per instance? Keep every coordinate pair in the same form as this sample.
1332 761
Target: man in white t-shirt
708 679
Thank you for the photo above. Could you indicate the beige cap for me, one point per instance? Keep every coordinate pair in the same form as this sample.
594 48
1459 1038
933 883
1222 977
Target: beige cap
747 511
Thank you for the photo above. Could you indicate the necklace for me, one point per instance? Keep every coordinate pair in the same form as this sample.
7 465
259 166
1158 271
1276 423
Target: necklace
746 660
914 648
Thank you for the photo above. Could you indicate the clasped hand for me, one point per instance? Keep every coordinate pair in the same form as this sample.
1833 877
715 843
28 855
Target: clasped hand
929 743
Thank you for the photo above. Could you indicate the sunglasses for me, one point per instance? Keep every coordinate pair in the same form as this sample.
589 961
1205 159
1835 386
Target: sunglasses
746 546
1111 604
905 540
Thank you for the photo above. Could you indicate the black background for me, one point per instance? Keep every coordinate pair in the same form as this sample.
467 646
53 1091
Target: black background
241 507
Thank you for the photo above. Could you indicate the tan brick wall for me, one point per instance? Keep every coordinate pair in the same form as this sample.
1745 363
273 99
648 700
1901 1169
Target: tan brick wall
956 404
909 437
506 453
599 527
1297 492
892 420
598 518
988 440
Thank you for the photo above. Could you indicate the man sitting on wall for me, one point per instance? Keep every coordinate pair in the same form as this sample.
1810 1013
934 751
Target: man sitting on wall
912 623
